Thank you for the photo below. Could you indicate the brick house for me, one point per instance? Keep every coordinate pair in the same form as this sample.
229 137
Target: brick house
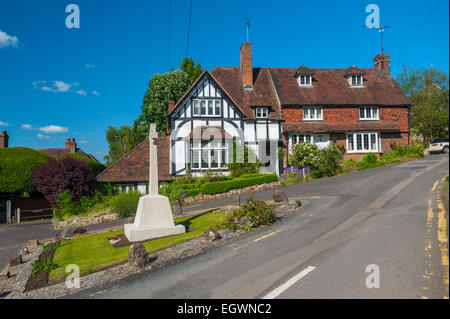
363 109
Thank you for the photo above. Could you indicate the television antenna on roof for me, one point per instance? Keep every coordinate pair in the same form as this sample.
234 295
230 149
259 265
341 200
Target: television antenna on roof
247 25
381 29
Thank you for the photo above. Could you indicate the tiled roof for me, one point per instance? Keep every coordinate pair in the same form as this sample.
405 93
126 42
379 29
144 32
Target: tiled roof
321 127
330 87
262 94
133 166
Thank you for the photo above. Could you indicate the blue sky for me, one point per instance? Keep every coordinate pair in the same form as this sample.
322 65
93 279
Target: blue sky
64 82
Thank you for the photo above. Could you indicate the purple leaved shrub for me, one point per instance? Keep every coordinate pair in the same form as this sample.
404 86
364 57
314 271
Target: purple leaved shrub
67 173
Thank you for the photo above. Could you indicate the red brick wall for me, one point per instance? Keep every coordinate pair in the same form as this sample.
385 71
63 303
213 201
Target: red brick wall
341 114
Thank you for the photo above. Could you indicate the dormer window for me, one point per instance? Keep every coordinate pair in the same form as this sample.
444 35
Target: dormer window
262 112
356 80
305 80
304 76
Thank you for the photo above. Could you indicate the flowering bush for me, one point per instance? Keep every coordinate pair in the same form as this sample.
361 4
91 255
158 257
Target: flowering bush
304 155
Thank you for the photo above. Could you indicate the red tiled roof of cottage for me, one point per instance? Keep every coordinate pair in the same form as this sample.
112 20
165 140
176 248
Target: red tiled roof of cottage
262 94
330 87
320 127
133 166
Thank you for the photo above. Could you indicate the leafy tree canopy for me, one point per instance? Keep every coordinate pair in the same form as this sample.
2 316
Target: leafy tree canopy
162 88
119 143
412 81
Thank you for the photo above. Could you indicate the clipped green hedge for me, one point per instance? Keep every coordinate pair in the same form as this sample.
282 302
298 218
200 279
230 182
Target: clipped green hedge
250 175
225 186
17 165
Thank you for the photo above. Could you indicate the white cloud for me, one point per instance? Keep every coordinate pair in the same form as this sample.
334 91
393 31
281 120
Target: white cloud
81 92
56 86
53 129
45 137
82 142
90 66
4 123
7 40
27 127
95 93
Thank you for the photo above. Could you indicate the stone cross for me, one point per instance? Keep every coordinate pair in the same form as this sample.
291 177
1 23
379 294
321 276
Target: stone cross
153 164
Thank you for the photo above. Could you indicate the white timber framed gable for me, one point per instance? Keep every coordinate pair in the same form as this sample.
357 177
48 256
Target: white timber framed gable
206 104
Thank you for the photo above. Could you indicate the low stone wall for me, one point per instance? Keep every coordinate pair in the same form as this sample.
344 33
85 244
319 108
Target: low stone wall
79 221
234 192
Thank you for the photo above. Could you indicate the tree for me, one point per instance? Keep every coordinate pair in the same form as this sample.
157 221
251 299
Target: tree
162 88
193 69
428 92
430 113
119 141
57 176
412 81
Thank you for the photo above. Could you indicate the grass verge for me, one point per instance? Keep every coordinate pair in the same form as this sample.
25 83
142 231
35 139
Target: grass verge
94 252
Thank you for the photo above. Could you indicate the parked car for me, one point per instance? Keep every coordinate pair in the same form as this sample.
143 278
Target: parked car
439 146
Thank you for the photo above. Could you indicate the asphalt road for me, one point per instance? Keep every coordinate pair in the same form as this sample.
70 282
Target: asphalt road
394 218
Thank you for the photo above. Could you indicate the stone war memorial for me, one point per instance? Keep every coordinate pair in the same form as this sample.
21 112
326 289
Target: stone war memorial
154 217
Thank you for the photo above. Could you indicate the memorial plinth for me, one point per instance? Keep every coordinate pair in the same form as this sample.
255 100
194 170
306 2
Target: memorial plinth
154 217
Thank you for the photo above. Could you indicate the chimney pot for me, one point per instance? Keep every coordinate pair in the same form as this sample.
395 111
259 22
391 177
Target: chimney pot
4 139
247 65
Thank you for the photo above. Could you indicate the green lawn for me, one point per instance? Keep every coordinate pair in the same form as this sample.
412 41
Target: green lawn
94 252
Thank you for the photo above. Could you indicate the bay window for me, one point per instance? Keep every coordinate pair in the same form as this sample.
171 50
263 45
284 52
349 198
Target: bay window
362 142
300 138
208 154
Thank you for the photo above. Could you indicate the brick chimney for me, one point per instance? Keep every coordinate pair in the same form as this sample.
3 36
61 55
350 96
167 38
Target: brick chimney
247 65
381 61
71 145
4 138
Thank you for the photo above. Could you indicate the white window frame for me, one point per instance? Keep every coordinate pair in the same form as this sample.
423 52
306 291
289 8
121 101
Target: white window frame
297 138
262 111
315 110
207 147
354 137
367 110
356 77
306 79
207 113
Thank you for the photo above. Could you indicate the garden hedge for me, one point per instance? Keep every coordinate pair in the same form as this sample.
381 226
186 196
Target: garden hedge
225 186
17 165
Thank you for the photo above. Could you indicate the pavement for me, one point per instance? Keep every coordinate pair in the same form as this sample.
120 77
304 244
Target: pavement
387 221
379 233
